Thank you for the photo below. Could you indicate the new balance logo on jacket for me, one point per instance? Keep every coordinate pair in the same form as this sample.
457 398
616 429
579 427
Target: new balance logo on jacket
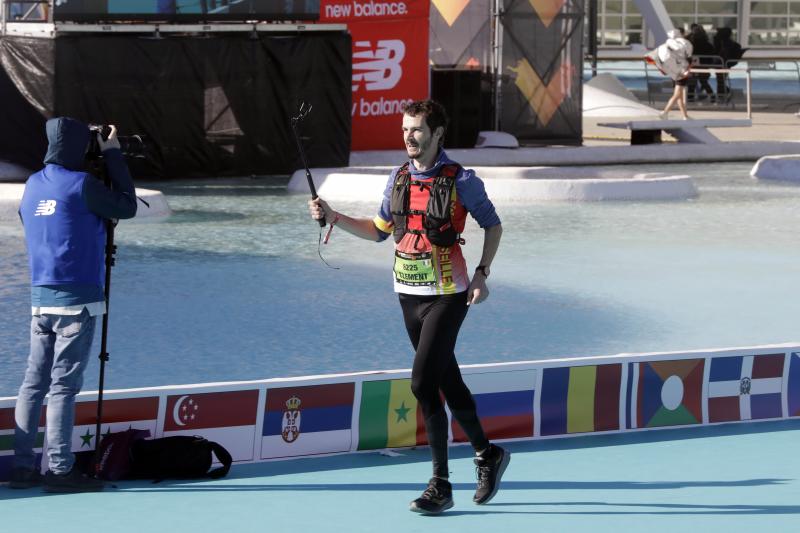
45 208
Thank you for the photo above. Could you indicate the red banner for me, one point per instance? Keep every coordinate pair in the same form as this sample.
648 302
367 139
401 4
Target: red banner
390 64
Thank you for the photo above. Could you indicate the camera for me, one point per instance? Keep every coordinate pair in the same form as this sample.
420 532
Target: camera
131 145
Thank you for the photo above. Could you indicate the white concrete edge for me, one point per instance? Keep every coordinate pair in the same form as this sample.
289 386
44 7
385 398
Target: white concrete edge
520 185
593 155
778 167
11 195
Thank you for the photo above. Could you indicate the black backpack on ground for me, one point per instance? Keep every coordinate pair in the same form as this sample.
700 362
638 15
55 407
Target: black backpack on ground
179 457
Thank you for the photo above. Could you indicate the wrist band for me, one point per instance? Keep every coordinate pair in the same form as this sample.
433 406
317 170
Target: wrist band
328 235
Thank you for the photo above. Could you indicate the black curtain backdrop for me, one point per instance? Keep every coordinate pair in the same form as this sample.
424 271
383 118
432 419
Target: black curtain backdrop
210 106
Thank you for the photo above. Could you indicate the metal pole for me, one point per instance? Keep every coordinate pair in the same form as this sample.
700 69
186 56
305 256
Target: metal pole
497 55
111 249
749 87
593 35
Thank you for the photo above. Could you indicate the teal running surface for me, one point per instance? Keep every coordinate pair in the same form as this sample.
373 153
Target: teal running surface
739 477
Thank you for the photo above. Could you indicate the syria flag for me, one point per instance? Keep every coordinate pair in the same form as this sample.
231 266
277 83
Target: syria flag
228 418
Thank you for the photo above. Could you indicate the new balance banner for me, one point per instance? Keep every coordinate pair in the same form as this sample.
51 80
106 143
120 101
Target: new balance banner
228 418
390 64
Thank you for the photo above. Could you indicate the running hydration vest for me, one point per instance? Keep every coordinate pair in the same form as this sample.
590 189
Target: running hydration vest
437 223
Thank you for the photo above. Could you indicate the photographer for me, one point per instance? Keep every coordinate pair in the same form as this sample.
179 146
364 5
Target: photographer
64 211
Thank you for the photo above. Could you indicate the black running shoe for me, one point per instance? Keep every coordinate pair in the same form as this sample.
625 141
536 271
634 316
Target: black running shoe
437 497
489 467
24 478
72 481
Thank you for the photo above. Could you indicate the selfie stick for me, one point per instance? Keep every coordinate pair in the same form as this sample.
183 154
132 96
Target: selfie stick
302 114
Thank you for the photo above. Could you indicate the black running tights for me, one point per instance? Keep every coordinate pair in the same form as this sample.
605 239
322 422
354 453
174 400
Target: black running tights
433 323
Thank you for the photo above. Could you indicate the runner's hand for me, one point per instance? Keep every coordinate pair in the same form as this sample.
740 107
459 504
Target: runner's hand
319 209
478 291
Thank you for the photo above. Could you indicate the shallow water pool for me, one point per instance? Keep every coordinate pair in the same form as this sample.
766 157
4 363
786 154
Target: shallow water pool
231 288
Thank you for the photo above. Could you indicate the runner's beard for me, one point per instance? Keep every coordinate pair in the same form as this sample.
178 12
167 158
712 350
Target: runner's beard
421 149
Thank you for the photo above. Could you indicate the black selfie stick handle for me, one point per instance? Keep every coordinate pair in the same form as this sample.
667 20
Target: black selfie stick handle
310 180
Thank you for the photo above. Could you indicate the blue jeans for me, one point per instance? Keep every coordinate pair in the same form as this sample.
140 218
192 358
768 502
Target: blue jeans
60 346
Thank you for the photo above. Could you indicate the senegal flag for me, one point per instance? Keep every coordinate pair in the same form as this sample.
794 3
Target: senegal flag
389 416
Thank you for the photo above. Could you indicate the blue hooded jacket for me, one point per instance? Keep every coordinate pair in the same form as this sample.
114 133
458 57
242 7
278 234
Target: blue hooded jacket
65 239
62 210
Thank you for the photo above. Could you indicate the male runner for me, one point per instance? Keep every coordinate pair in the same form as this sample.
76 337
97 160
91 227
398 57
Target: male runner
424 207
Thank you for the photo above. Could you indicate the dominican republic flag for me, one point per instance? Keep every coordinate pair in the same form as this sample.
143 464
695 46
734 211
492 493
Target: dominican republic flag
228 418
308 420
745 387
505 404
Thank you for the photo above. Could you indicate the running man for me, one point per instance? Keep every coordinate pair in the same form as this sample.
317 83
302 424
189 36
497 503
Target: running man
425 206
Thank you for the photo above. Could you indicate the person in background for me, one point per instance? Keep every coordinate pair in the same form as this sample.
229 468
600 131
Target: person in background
730 51
672 58
64 212
702 54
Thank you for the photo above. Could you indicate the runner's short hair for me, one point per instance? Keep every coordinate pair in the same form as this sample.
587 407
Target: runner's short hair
433 111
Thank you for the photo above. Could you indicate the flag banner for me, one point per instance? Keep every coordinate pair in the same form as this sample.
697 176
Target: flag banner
390 64
505 404
668 393
389 416
228 418
745 387
118 415
308 420
7 426
580 399
794 385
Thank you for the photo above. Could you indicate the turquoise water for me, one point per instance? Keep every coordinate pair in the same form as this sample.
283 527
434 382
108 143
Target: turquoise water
231 287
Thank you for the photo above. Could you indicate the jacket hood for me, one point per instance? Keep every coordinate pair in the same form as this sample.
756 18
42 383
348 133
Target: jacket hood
67 141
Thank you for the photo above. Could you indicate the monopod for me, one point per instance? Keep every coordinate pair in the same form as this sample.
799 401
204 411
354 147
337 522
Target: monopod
111 249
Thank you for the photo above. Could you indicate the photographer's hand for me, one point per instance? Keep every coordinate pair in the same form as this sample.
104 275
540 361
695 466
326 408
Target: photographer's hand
111 142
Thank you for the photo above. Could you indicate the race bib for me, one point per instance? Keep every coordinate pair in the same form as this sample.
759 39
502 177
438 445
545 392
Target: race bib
414 269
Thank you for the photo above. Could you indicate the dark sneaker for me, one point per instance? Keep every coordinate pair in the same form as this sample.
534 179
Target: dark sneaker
489 467
24 478
437 497
72 481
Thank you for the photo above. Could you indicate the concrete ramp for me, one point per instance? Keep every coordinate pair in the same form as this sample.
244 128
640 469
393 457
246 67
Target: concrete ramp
606 96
